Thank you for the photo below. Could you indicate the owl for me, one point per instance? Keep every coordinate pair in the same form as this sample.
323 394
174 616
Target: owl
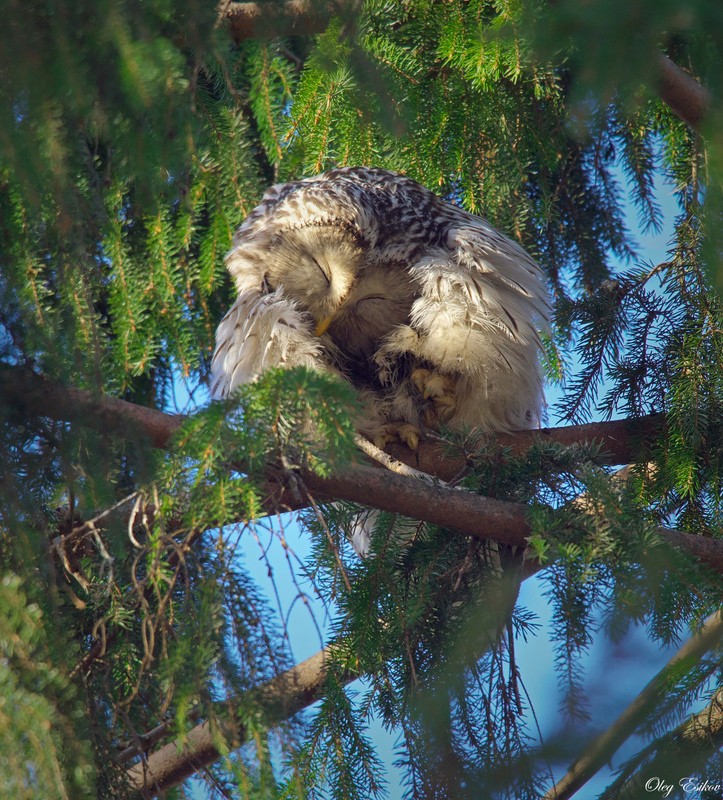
431 313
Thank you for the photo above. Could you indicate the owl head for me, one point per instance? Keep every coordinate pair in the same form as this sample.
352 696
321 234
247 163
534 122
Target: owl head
316 265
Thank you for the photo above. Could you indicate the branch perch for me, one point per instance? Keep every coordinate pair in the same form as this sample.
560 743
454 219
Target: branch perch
622 441
476 516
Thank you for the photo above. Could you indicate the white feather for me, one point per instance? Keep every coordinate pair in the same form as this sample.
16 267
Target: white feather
258 333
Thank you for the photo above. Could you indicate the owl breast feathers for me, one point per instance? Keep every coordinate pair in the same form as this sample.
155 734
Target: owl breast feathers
431 313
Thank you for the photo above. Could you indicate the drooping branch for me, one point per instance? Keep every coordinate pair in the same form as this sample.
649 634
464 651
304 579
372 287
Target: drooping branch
476 516
606 745
169 765
300 686
679 90
679 755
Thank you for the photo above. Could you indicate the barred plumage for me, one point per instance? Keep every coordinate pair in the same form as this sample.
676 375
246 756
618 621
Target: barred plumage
428 310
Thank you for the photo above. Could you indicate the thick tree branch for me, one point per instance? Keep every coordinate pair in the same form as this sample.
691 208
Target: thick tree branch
679 90
272 20
32 395
606 745
621 441
476 516
282 697
686 97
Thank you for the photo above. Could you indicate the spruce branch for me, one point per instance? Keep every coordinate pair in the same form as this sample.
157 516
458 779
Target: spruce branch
680 91
604 746
470 514
621 441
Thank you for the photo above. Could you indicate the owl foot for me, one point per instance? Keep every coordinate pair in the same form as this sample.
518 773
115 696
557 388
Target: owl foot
440 389
403 432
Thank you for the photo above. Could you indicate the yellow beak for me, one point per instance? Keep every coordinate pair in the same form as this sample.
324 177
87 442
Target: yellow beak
322 326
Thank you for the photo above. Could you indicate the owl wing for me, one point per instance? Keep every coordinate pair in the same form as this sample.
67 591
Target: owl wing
481 303
483 291
261 331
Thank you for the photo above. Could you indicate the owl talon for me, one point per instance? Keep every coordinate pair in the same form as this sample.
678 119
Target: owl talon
440 389
432 384
398 432
409 435
382 438
419 379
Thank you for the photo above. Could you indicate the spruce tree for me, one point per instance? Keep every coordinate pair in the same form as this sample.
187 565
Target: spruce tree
136 649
